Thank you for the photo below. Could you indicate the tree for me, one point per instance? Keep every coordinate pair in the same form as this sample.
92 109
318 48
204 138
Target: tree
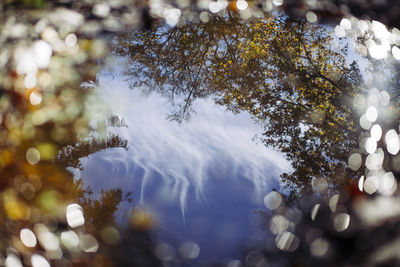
70 155
291 76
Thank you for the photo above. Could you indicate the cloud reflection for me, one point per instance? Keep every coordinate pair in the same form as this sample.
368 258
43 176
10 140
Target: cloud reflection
181 159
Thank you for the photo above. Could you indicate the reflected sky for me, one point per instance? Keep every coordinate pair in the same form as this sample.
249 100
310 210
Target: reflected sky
201 180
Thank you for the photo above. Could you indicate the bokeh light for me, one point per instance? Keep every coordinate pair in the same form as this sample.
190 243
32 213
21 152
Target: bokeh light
341 221
75 215
355 161
273 200
392 142
319 247
189 250
28 238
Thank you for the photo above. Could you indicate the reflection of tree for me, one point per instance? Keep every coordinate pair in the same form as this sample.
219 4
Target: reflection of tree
133 247
290 76
116 121
100 213
69 156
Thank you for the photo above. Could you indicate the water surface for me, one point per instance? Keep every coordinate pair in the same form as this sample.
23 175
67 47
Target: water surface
202 180
236 135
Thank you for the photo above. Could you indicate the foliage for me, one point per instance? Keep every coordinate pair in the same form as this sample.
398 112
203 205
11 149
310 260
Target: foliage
292 77
70 155
101 212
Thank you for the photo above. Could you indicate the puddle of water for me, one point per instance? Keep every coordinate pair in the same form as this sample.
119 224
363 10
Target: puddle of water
205 173
234 140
